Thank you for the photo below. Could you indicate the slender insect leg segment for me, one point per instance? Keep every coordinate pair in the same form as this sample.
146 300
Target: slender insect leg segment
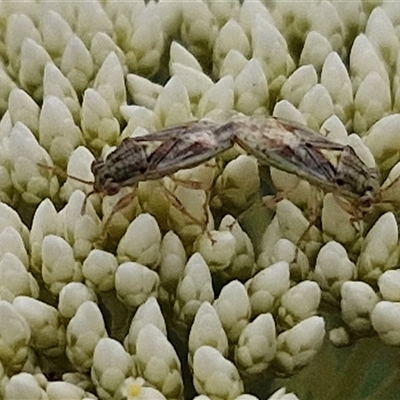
122 203
179 206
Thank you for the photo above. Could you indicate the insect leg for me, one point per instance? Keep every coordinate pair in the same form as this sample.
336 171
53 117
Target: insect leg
179 206
122 203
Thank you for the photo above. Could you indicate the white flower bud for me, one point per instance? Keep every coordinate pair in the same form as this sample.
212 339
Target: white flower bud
389 285
382 35
143 91
332 29
332 268
339 337
24 386
140 120
33 60
58 133
290 223
217 249
215 376
231 36
379 250
180 56
363 60
275 58
135 283
158 362
47 332
315 50
19 27
28 178
286 110
99 269
14 338
79 166
372 100
173 260
316 106
337 224
81 231
390 188
77 64
111 366
64 390
173 113
84 331
110 84
188 211
194 288
99 125
59 265
336 80
55 32
148 313
251 89
15 277
141 242
358 301
385 318
101 46
223 11
266 287
207 330
10 218
195 81
219 97
299 302
91 18
11 242
256 346
24 109
299 83
249 11
56 84
383 139
233 308
45 222
238 183
198 28
233 64
146 45
71 296
285 250
297 346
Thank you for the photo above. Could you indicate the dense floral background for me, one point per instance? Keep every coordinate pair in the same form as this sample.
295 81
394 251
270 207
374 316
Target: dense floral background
195 291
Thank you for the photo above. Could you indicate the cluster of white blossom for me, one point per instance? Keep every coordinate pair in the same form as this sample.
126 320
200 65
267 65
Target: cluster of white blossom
88 312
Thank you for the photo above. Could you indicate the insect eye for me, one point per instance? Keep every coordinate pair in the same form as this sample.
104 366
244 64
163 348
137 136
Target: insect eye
340 182
368 189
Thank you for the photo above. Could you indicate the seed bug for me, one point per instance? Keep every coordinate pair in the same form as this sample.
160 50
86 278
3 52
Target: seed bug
298 150
139 159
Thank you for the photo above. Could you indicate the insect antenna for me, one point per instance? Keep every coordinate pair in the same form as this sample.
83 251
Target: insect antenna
63 174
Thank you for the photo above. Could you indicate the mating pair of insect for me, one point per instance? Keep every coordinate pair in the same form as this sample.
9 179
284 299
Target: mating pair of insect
282 144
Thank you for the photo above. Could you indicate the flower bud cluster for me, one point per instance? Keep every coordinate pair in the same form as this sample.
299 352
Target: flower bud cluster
218 273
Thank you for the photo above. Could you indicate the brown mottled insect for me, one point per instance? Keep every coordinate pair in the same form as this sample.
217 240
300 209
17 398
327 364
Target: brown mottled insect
296 149
154 156
285 145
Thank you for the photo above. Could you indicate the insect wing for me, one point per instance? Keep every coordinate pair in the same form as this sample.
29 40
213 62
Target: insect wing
279 146
293 148
186 146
